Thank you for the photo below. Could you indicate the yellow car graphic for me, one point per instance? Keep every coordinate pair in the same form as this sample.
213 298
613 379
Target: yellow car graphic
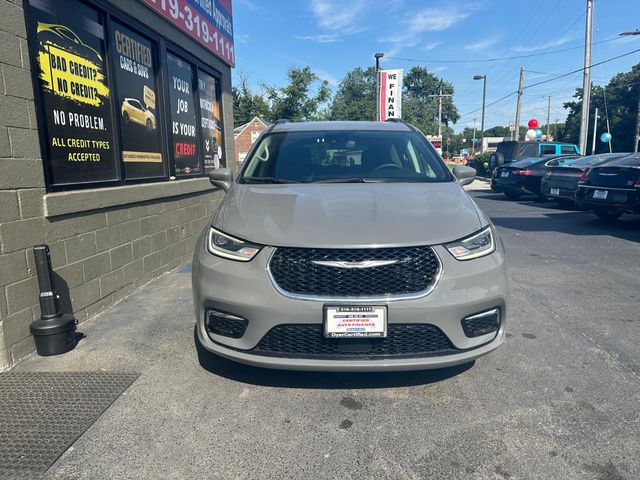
133 110
67 39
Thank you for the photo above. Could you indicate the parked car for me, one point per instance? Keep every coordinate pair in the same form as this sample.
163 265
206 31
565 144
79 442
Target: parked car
526 175
133 110
316 263
561 181
612 189
511 151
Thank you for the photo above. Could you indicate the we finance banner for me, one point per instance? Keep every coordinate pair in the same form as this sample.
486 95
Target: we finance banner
390 99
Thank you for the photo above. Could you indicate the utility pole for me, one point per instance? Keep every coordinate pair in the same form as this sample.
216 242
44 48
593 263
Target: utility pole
519 104
548 118
586 80
473 144
595 128
440 96
378 56
637 135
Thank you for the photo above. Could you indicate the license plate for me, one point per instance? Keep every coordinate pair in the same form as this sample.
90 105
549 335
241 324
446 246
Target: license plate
554 191
504 174
600 194
355 321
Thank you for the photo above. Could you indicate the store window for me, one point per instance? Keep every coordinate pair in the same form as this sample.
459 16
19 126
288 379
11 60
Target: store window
114 106
73 83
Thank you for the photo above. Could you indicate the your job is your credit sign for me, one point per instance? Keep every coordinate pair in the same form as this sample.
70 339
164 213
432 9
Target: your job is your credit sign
390 100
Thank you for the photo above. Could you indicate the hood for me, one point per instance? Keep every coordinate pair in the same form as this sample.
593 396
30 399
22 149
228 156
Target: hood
348 215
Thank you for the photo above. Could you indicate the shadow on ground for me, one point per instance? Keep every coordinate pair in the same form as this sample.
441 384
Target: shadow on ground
320 380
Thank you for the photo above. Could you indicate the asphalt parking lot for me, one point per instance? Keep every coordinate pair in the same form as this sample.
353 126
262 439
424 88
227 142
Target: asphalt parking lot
559 400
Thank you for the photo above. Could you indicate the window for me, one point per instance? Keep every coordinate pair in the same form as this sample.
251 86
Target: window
344 156
548 149
254 136
567 149
113 105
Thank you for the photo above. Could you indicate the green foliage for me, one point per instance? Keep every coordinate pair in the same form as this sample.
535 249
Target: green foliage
481 164
247 104
622 93
421 110
297 101
356 96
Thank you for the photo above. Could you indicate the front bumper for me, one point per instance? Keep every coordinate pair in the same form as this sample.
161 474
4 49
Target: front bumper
244 289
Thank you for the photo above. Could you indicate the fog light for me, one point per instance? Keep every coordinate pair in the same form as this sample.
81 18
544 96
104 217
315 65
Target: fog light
224 324
481 323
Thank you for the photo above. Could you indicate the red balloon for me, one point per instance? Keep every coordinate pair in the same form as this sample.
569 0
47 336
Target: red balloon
533 123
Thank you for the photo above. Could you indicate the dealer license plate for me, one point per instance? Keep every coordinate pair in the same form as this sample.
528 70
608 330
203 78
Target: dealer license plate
554 191
600 194
504 174
355 321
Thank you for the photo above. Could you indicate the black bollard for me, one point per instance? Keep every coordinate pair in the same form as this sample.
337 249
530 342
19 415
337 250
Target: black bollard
54 333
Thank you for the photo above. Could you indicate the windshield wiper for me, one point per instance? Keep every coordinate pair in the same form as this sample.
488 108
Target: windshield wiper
266 180
343 180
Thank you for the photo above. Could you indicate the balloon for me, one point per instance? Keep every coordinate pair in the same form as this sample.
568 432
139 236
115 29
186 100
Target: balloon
533 123
538 133
605 137
531 134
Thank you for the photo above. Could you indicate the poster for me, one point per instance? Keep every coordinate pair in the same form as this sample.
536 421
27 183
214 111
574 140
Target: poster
184 145
75 90
136 103
390 101
211 122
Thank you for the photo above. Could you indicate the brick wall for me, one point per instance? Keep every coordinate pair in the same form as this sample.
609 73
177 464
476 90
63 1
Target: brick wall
99 256
243 141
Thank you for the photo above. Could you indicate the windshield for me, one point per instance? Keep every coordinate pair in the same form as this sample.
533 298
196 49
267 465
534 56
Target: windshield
344 156
596 159
632 160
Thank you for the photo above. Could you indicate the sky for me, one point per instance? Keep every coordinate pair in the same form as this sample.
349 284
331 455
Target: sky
453 39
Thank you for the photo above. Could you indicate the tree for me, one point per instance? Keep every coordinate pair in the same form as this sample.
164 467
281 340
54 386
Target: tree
356 96
247 104
622 92
420 109
297 101
497 131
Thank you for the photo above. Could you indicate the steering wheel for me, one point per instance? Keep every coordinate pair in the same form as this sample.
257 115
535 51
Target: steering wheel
387 165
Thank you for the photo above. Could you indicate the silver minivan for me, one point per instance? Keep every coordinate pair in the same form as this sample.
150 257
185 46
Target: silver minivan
348 246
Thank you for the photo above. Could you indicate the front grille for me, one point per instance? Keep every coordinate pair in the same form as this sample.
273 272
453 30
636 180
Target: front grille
415 271
308 341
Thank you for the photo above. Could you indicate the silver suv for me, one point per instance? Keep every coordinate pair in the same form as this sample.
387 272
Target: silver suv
348 246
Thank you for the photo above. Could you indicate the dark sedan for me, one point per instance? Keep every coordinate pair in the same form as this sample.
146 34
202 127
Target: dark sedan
612 189
561 182
526 175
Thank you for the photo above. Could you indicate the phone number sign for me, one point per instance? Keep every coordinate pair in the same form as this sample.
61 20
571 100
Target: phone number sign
209 22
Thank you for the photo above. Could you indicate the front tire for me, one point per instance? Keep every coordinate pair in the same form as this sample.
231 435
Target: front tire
608 215
149 125
125 116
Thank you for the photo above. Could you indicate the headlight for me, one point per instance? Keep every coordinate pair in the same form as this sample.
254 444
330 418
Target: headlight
477 245
223 245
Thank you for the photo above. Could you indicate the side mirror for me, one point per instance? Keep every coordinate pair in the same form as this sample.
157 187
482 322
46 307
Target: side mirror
222 178
464 174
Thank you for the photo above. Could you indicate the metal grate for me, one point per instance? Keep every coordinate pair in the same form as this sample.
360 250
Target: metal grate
308 341
475 327
414 271
43 413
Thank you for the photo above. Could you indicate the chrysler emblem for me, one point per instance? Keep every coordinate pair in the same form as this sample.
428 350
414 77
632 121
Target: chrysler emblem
363 264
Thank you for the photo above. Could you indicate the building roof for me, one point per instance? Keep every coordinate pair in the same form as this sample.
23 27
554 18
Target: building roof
238 130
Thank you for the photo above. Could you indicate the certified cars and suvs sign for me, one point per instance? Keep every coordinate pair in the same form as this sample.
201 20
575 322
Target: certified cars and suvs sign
210 22
390 98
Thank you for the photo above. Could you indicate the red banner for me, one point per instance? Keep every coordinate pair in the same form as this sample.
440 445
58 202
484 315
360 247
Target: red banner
209 22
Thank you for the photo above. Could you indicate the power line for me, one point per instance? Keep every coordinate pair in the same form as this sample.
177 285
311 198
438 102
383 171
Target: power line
485 60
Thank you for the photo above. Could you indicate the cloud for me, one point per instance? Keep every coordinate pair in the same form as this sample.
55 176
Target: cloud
249 5
338 15
543 46
438 69
483 44
324 75
241 38
437 19
431 46
323 38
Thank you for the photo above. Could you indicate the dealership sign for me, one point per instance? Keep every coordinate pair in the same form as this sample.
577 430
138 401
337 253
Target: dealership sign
209 22
390 100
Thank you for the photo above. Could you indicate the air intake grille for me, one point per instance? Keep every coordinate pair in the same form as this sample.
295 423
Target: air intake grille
308 341
415 270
